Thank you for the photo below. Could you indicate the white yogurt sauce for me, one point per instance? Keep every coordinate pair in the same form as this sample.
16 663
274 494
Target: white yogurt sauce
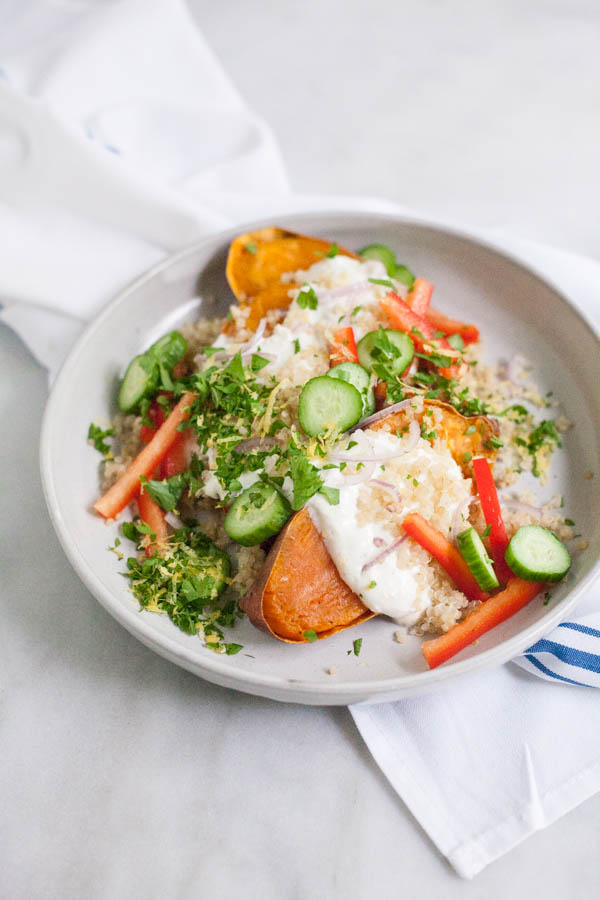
383 587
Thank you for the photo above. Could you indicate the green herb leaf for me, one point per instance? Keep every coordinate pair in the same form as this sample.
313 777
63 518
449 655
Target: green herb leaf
297 345
310 636
456 342
251 248
332 495
305 477
356 646
96 437
258 362
166 493
487 531
307 298
333 251
385 282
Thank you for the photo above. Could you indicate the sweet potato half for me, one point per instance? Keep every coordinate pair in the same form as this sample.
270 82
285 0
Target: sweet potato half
300 589
258 259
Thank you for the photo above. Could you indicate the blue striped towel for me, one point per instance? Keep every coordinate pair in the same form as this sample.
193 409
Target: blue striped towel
570 653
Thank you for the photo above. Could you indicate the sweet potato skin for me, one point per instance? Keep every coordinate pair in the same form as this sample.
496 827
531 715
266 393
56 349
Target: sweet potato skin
254 274
300 588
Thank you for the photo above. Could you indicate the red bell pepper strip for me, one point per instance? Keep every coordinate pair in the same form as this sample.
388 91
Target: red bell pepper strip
153 515
402 317
442 322
492 513
446 554
502 606
175 460
125 489
343 347
156 414
420 296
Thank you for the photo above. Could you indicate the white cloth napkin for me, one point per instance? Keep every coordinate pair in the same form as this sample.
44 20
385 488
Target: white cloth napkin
121 139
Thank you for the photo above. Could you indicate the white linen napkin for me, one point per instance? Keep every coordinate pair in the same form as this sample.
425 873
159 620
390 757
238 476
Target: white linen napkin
121 139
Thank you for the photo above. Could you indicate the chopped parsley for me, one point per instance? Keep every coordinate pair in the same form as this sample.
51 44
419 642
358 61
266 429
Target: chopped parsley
332 252
305 477
544 435
356 646
332 495
456 342
187 582
569 522
385 282
258 362
487 531
166 493
307 298
96 437
297 345
311 636
251 248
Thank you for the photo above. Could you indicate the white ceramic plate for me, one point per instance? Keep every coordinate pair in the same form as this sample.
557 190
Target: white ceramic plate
515 310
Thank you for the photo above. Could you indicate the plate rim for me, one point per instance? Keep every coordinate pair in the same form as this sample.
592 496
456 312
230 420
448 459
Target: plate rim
213 668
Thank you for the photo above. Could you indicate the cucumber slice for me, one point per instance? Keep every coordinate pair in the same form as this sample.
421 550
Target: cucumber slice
475 555
328 404
381 253
392 349
536 554
257 514
404 276
168 349
140 380
360 378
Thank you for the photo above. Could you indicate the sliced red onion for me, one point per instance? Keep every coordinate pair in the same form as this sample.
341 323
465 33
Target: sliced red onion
460 517
386 411
389 549
255 443
361 475
173 520
340 293
390 488
519 506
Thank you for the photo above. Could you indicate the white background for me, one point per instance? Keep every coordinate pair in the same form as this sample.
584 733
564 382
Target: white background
487 112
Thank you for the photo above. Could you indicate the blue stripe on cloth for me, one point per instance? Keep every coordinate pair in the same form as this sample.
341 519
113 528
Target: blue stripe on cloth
539 665
581 658
585 629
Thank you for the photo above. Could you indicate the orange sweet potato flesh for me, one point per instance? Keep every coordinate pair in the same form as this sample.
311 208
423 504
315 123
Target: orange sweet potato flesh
258 259
299 588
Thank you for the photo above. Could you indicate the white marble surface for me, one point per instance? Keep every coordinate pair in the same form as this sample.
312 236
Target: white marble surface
239 796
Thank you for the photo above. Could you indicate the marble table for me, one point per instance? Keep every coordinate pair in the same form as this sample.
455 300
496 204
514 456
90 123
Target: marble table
130 778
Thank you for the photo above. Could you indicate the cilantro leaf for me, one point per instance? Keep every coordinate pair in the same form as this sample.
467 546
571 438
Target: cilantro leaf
166 493
311 636
258 362
356 646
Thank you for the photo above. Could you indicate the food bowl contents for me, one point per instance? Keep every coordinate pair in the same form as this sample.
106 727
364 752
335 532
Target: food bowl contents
334 449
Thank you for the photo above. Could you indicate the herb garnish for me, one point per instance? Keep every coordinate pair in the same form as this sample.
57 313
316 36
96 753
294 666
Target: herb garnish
307 298
96 437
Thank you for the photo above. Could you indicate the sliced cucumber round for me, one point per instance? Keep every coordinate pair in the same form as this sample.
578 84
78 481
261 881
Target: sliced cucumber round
328 404
168 349
404 276
382 254
392 349
140 380
536 554
475 555
256 514
360 378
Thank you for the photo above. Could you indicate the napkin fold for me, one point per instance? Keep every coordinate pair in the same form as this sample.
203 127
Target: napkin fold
121 140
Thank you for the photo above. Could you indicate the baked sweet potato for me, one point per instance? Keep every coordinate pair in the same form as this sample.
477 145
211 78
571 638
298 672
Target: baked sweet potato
258 259
466 436
299 588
